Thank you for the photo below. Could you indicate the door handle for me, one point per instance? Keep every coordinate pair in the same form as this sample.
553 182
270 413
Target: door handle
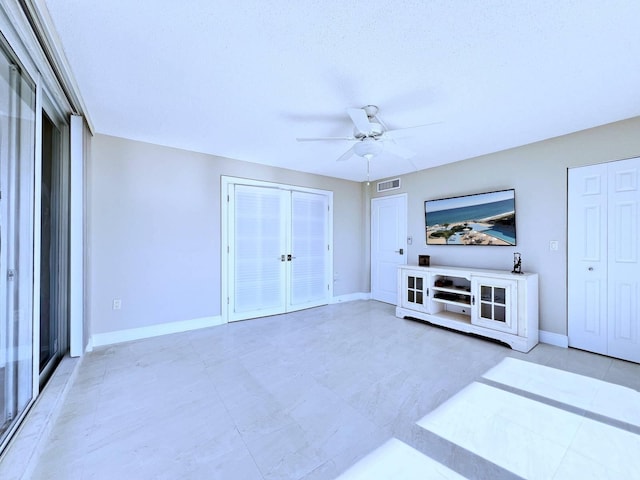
401 251
590 269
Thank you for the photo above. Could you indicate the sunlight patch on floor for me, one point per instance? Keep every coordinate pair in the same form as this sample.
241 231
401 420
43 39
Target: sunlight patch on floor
534 439
396 460
603 398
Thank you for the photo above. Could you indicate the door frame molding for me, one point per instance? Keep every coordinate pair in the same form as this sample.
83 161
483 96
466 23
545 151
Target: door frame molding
225 183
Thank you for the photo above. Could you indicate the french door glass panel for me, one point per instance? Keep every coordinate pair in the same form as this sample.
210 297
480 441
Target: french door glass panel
17 141
309 245
260 241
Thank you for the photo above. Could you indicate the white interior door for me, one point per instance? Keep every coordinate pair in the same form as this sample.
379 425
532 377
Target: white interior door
388 245
587 258
623 268
604 274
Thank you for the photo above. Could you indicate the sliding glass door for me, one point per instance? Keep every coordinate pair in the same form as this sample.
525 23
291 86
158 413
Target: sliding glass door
17 144
35 220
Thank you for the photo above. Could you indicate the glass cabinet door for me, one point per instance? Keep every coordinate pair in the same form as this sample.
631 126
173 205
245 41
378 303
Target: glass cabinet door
415 291
494 304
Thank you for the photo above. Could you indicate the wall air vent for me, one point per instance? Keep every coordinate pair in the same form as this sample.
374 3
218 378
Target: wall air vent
389 185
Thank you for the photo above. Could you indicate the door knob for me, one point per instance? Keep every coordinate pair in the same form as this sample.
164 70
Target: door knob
590 269
401 251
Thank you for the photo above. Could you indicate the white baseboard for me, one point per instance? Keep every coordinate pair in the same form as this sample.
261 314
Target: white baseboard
553 339
109 338
350 297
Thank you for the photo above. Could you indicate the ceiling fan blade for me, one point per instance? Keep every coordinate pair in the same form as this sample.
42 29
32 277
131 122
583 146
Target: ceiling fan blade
399 151
346 155
321 139
360 119
407 131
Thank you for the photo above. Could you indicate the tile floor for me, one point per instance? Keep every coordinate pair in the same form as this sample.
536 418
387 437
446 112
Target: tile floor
534 439
301 396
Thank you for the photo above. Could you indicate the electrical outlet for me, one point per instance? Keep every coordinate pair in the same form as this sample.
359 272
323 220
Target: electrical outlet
553 245
117 304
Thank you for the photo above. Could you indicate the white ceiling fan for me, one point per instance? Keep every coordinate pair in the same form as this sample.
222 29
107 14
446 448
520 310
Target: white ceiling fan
371 136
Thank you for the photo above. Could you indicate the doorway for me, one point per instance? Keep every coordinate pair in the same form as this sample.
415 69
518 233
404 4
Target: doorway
388 245
277 255
54 248
603 265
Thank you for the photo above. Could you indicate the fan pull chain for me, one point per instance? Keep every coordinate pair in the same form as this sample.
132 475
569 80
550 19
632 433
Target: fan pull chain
368 165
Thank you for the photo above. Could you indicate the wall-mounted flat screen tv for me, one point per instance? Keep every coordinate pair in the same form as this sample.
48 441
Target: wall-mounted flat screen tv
478 219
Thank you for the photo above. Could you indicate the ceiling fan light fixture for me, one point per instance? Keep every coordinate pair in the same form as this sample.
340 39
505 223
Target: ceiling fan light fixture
367 148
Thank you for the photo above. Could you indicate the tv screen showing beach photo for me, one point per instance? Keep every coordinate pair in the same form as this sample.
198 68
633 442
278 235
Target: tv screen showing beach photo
478 219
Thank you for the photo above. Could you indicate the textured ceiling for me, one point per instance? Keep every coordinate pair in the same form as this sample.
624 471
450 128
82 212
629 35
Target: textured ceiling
243 79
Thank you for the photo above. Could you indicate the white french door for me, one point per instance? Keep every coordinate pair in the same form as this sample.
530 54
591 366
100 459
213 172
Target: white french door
388 245
604 269
259 240
278 251
310 262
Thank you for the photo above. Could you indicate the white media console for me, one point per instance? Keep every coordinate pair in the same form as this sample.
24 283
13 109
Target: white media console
491 303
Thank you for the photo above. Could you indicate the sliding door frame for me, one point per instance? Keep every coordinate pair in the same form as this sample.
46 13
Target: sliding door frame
62 244
25 48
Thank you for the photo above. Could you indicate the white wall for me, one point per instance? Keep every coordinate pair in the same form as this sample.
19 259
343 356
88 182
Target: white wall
538 172
154 231
154 221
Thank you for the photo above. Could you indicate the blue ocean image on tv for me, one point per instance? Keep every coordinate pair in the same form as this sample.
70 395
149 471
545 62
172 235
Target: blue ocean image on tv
480 223
473 212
